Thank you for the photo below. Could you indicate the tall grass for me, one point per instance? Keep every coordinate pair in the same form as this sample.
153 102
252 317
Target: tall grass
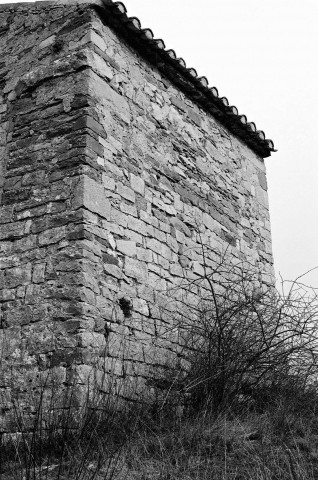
76 432
100 438
239 402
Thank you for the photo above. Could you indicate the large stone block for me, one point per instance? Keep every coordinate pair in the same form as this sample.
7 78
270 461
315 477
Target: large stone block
127 247
136 269
91 195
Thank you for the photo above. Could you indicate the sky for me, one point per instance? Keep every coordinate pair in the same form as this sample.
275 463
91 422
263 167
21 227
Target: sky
262 56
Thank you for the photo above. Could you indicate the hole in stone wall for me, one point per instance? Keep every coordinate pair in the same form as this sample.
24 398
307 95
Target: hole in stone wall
57 46
126 306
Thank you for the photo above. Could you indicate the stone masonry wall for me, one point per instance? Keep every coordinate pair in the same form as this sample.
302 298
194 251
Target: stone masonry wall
45 147
111 179
169 178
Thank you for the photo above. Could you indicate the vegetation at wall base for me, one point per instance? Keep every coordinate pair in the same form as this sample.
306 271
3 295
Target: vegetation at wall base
239 402
275 444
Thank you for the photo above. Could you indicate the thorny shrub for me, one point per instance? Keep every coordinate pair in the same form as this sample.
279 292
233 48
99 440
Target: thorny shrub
247 343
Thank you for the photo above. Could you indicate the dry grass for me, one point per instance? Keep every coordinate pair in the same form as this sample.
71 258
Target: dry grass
102 441
223 448
245 408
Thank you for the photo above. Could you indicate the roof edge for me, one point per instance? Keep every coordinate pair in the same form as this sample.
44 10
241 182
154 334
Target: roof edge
186 78
197 88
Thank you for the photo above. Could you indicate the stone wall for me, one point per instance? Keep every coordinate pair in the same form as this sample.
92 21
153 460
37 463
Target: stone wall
45 149
111 180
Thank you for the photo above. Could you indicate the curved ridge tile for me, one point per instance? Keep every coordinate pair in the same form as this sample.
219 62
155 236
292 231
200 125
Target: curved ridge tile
120 7
193 72
204 81
271 145
134 22
160 44
252 126
172 54
148 33
182 62
214 92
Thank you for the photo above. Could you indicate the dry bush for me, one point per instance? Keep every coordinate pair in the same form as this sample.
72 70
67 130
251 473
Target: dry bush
245 342
246 380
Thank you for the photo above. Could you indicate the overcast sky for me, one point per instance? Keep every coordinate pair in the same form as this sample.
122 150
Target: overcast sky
261 55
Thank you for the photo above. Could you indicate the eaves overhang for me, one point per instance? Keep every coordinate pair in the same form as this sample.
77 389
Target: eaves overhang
187 79
175 69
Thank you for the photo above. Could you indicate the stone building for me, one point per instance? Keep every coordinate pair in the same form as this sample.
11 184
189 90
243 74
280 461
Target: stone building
116 163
